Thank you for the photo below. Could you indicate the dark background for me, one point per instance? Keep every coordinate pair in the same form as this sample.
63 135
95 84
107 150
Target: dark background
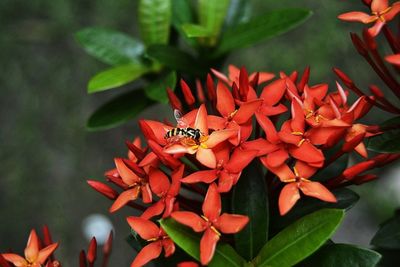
46 154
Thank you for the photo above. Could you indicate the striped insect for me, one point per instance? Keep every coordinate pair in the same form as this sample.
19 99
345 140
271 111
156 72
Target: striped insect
183 133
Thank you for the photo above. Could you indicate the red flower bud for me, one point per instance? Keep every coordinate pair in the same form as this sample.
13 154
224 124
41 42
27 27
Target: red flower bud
212 95
187 93
108 245
174 100
359 44
200 91
342 76
102 189
92 251
82 259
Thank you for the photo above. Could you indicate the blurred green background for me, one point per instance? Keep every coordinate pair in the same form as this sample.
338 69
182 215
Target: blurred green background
46 154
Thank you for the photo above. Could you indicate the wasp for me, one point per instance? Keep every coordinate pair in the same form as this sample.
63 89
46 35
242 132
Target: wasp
183 132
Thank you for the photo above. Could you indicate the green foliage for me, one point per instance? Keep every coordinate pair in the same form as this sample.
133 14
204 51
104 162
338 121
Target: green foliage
260 28
118 110
116 76
250 197
333 255
211 16
157 89
300 239
185 238
154 21
388 236
389 141
111 47
194 30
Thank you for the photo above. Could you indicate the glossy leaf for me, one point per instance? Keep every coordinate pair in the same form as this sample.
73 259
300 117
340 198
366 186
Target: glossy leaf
211 16
185 238
343 255
300 239
154 21
111 47
250 198
260 28
157 90
193 30
389 141
115 77
174 58
346 199
388 235
118 110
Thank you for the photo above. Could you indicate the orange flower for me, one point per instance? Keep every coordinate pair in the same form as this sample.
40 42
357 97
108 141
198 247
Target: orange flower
34 256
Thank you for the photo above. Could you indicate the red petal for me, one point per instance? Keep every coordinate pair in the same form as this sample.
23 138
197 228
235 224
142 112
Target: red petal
307 152
305 171
154 210
246 110
163 156
356 16
273 110
169 247
226 181
234 73
124 198
148 253
216 122
393 59
261 145
174 101
262 77
392 12
32 247
220 76
217 137
190 219
298 118
288 197
103 189
176 177
201 120
207 177
159 182
46 252
15 259
127 175
379 5
92 251
145 228
273 92
187 264
207 246
206 157
374 30
211 88
147 197
225 102
283 171
240 159
277 158
317 190
212 203
187 93
154 130
268 127
232 223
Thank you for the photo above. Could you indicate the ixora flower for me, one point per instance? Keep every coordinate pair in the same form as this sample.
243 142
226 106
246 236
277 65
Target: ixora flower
157 238
212 223
35 256
234 73
382 13
298 180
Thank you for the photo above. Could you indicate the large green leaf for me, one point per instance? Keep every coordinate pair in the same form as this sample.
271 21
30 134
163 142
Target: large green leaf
193 30
118 110
185 238
262 27
334 255
116 76
389 141
211 16
175 59
388 236
300 239
346 199
250 198
157 90
111 47
154 21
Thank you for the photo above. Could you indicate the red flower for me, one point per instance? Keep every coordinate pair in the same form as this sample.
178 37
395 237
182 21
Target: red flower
381 14
393 59
299 180
156 237
234 73
34 255
211 223
228 170
165 190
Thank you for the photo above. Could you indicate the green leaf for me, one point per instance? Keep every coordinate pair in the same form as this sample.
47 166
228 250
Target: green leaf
389 141
250 198
346 199
175 59
116 76
118 110
300 239
157 90
154 21
239 11
193 30
211 16
388 236
111 47
262 27
185 238
181 12
343 255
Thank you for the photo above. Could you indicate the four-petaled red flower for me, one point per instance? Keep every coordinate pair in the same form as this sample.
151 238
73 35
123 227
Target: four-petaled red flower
212 223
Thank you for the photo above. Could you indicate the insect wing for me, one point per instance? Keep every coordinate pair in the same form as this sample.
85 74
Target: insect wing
179 119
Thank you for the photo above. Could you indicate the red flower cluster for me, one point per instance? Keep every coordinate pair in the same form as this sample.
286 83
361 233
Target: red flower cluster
287 125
